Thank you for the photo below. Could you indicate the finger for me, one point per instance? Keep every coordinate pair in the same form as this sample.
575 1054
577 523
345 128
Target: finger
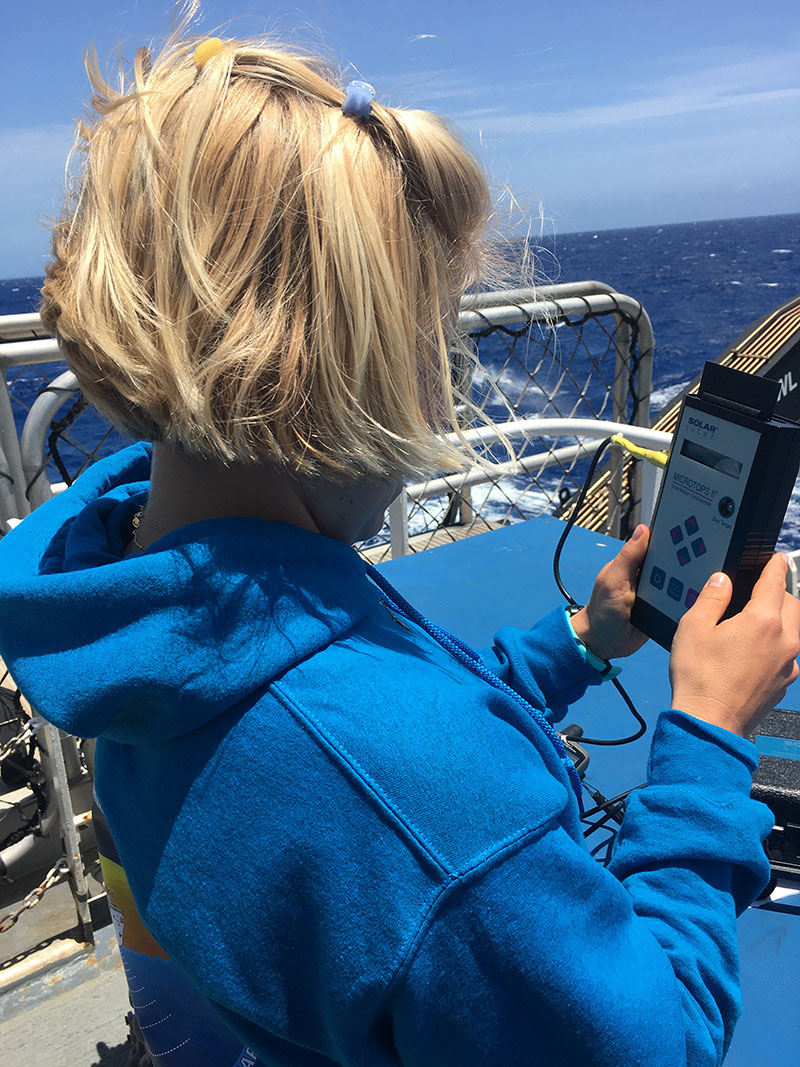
714 598
628 561
636 545
769 590
791 611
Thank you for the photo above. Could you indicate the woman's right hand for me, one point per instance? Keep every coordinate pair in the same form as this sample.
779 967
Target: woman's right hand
732 673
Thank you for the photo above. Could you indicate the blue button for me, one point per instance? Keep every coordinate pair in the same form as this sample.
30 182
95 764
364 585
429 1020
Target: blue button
676 533
698 547
683 556
657 577
692 525
675 589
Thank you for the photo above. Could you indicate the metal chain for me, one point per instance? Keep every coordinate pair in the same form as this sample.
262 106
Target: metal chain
26 732
56 873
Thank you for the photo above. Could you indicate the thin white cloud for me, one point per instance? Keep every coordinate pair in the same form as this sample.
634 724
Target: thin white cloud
706 82
777 69
604 115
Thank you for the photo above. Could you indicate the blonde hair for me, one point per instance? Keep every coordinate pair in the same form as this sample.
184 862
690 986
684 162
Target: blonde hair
248 272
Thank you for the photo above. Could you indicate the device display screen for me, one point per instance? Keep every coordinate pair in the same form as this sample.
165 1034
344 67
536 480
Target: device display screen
709 458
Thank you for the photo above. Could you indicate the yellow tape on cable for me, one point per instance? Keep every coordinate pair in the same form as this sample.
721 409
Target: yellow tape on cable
658 459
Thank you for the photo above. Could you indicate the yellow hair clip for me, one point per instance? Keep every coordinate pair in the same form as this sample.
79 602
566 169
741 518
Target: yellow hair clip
207 50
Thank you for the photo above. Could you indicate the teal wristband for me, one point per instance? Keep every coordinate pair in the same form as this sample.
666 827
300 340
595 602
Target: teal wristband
604 668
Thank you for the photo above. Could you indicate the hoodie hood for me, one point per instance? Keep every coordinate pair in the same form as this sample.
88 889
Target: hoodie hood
149 647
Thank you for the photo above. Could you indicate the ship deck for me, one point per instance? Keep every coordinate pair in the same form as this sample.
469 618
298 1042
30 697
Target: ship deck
71 1014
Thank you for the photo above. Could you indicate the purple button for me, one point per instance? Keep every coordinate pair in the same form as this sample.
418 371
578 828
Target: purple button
698 547
683 556
692 525
691 596
676 533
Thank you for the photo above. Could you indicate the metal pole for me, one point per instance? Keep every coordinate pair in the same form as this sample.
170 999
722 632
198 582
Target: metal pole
650 484
12 461
645 479
69 835
622 377
398 525
34 436
8 502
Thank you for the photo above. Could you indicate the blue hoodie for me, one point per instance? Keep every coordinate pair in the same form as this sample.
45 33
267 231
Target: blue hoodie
360 850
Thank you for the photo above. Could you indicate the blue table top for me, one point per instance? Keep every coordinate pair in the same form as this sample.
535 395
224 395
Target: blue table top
474 586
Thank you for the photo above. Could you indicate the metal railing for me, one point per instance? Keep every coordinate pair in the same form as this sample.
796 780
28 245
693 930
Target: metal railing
594 430
577 351
573 350
28 371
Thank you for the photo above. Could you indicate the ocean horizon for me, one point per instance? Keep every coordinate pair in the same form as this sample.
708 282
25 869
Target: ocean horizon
701 283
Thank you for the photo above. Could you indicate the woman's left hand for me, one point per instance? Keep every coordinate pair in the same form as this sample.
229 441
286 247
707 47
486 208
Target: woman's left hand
604 625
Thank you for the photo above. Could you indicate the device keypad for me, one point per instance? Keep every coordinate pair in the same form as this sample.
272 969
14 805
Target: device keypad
659 579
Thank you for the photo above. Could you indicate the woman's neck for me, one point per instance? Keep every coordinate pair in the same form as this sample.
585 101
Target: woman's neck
185 489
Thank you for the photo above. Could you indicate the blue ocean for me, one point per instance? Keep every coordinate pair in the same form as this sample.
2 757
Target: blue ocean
702 284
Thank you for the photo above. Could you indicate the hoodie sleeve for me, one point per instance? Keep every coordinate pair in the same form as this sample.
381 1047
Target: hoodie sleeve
544 663
544 956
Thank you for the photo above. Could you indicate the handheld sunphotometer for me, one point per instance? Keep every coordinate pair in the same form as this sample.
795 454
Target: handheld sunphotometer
723 496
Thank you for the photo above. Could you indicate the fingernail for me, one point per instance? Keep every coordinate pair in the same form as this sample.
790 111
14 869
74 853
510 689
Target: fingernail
637 533
785 558
717 579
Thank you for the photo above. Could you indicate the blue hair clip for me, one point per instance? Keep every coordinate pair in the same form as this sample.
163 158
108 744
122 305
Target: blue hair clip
358 99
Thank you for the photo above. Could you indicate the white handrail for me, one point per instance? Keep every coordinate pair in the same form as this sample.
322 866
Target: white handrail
547 427
535 427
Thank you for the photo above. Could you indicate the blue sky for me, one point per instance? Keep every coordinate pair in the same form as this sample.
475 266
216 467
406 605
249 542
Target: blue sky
596 115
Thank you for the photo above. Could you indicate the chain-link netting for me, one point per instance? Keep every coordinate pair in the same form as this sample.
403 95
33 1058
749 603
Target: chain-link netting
570 367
